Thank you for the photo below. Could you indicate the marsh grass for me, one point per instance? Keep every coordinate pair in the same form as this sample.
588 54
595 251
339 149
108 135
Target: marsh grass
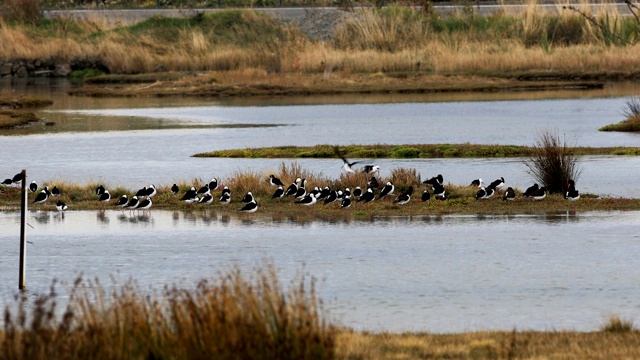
464 150
553 163
631 124
393 39
615 324
228 317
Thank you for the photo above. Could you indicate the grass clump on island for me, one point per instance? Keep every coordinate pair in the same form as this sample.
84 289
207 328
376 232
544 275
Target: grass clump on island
382 151
632 113
235 315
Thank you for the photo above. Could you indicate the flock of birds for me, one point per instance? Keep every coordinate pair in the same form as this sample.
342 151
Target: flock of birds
143 199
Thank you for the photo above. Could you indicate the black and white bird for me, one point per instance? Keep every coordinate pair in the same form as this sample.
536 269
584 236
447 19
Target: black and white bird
248 198
144 204
357 192
346 165
7 182
151 191
42 196
476 182
436 180
250 207
213 184
370 169
425 195
61 206
439 192
539 194
346 202
324 193
175 189
17 178
405 197
206 199
225 198
510 194
274 181
531 190
142 192
55 191
368 196
497 184
302 191
308 200
386 190
278 193
33 187
99 190
333 196
123 201
104 198
485 193
190 196
572 194
293 188
133 203
204 189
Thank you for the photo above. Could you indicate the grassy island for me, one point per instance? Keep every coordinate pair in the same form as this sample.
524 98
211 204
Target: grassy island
382 151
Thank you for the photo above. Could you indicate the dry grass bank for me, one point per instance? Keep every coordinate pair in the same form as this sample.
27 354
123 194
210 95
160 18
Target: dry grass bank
393 40
491 345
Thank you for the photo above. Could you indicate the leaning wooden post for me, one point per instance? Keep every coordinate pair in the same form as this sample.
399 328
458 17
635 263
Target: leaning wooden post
23 234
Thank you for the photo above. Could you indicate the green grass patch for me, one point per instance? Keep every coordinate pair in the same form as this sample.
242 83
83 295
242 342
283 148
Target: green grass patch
405 151
632 124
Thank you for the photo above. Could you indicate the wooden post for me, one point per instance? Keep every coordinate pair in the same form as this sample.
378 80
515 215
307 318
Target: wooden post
23 235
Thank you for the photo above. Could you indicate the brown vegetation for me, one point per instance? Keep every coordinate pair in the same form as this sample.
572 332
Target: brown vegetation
12 110
393 49
255 316
229 317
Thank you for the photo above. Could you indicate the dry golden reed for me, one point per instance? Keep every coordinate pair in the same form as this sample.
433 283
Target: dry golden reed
395 39
229 317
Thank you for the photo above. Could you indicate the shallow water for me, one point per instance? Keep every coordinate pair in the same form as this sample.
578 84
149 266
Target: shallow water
137 142
439 274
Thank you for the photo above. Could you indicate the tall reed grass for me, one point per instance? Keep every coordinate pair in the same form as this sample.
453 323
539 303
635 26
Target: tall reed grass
230 317
553 164
393 39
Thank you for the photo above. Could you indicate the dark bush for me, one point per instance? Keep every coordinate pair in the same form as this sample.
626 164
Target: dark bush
553 163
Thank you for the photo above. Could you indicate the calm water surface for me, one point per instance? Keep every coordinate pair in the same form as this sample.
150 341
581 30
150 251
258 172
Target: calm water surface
440 274
89 141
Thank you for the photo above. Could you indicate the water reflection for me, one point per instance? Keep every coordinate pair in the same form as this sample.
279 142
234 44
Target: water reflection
436 273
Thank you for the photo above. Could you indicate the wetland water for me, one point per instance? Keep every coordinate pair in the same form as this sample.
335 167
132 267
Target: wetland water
439 274
453 273
135 142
